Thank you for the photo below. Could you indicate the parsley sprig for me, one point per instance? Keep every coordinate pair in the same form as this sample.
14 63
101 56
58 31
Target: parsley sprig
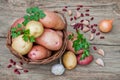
15 32
26 37
71 36
33 13
80 43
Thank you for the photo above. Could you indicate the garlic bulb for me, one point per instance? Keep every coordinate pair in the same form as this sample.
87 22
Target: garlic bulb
57 69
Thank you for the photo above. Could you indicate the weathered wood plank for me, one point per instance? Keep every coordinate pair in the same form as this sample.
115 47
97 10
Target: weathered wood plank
111 71
100 9
10 12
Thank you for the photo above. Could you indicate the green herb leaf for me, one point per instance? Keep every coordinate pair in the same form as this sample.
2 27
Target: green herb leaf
86 46
26 32
36 18
80 36
75 43
42 15
25 38
14 35
83 57
29 11
33 13
32 39
26 17
19 32
81 43
14 32
71 36
19 25
31 17
78 47
25 22
86 52
13 29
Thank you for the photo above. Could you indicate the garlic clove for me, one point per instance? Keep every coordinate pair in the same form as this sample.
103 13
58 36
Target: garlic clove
100 62
91 37
18 67
70 12
86 29
73 24
100 51
86 22
78 14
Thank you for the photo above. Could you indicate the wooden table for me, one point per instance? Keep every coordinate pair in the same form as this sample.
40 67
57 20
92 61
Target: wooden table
100 9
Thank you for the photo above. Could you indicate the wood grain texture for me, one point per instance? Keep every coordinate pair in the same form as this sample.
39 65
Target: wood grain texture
111 70
13 10
10 10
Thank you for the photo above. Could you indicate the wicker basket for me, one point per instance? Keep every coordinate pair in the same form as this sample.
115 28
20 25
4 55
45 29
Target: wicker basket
55 55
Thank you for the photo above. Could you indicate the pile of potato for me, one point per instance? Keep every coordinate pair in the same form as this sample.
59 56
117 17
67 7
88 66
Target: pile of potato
47 33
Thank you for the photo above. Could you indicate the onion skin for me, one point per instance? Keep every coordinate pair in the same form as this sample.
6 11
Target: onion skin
105 25
52 20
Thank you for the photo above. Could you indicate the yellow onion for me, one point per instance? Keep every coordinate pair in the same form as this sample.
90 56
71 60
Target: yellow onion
105 25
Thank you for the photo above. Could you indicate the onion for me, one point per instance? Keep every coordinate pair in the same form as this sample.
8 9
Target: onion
105 25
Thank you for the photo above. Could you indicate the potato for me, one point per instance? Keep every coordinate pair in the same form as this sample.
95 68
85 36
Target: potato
35 27
69 60
20 46
60 33
50 40
70 42
52 20
69 45
39 52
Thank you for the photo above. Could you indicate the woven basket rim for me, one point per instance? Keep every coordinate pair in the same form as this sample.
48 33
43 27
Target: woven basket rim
57 55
